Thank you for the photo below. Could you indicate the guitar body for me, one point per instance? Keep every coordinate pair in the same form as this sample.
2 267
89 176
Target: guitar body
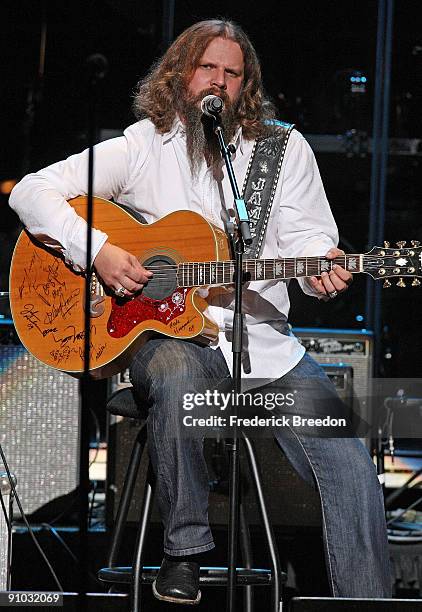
47 296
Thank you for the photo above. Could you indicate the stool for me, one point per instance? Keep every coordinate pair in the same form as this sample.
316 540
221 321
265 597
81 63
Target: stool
124 403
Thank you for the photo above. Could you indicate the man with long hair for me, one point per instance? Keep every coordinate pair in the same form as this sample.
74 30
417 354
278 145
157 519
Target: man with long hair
169 160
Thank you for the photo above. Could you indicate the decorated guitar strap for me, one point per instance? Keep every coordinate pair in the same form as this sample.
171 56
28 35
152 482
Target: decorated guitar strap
261 181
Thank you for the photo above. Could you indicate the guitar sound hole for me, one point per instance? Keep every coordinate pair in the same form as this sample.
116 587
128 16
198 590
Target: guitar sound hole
164 281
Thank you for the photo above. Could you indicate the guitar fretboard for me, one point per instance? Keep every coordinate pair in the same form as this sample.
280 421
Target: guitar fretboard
195 274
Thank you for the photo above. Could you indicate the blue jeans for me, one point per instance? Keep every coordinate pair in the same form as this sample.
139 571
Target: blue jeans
354 530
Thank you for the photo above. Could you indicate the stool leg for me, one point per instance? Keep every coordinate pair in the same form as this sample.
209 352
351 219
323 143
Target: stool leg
272 547
140 541
245 544
127 494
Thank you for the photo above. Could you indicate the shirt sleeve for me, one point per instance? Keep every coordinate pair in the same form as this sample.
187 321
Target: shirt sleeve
40 198
306 225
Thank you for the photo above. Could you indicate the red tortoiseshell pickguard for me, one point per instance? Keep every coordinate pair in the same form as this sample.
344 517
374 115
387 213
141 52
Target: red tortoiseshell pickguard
127 314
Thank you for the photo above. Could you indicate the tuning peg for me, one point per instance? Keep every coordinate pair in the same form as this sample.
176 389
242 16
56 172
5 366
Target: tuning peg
401 243
415 243
416 282
386 284
401 283
386 244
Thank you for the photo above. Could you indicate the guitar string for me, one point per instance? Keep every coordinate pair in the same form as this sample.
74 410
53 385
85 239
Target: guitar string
253 263
265 262
161 273
192 268
192 282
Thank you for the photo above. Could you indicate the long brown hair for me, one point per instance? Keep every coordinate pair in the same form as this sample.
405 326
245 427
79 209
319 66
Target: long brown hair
158 94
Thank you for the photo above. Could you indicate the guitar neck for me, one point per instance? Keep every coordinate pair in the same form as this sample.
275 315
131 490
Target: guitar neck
195 274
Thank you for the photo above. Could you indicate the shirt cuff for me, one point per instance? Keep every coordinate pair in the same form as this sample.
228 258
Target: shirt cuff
75 256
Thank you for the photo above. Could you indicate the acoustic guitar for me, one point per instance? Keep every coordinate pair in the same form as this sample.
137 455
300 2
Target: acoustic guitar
185 252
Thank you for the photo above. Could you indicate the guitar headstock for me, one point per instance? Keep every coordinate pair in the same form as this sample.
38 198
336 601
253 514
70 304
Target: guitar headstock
388 262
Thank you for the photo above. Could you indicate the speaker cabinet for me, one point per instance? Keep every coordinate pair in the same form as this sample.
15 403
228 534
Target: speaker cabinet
39 427
343 348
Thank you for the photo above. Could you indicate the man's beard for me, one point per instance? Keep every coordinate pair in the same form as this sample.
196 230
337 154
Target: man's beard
201 142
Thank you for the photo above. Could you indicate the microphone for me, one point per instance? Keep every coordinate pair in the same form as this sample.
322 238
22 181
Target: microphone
212 106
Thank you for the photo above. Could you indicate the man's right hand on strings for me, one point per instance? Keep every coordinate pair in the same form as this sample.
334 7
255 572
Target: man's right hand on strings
120 270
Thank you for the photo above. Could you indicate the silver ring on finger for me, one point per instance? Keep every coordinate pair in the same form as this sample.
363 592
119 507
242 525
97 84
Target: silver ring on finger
121 292
333 294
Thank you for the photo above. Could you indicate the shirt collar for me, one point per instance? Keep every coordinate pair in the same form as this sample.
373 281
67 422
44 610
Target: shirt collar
176 128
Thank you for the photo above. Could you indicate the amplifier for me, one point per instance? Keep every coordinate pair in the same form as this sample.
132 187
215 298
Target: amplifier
39 427
343 348
341 375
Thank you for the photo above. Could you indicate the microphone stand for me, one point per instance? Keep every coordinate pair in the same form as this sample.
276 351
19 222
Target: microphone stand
242 238
97 67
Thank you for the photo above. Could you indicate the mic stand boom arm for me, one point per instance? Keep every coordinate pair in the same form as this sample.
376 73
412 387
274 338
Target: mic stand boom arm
242 238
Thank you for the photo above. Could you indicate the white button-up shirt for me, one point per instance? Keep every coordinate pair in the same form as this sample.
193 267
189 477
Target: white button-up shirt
150 173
